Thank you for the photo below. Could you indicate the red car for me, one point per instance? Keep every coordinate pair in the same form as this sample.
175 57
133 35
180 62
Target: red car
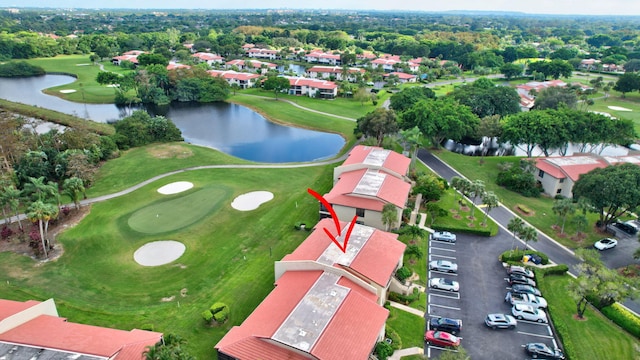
441 338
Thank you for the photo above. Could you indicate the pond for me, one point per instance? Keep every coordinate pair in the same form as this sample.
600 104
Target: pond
230 128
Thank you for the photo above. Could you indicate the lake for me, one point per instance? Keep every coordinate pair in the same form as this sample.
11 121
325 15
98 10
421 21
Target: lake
230 128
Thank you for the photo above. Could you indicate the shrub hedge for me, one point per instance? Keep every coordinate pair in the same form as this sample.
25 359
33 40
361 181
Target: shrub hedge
454 229
516 256
560 269
623 318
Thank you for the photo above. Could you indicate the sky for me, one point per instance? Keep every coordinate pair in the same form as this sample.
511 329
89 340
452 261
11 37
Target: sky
565 7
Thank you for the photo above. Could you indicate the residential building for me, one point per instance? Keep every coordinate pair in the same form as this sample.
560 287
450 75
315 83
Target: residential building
262 53
251 65
33 330
316 315
323 58
402 77
312 87
131 56
558 174
172 66
376 158
372 256
209 58
337 72
242 79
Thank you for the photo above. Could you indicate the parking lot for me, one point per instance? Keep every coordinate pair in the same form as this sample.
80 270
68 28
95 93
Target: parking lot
483 285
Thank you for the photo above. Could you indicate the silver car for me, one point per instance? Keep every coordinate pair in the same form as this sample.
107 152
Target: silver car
500 321
527 312
526 299
443 236
444 266
444 284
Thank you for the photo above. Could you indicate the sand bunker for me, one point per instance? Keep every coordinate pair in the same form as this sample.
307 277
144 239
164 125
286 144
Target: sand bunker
68 91
251 200
618 108
176 187
159 252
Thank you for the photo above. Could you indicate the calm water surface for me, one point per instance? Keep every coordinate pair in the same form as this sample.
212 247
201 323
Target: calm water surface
230 128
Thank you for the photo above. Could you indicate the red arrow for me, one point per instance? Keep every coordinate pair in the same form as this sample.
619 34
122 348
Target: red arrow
336 221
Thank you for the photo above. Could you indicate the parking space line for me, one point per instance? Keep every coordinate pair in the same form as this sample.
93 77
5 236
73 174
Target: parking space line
445 307
441 242
532 322
442 272
442 348
538 335
442 249
448 297
442 256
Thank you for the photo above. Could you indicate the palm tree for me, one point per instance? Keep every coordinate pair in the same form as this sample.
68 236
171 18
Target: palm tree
415 232
477 191
12 196
490 201
563 208
413 137
515 225
36 212
389 215
529 234
455 183
74 187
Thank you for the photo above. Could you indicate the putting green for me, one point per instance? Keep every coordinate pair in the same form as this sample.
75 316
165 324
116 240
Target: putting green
178 213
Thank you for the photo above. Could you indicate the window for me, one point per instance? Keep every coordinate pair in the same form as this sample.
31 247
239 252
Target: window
558 191
541 173
360 212
561 180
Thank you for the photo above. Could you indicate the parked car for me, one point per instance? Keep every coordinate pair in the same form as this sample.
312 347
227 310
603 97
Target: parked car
452 326
444 284
520 279
606 243
527 312
630 229
441 338
520 270
526 299
443 265
500 321
542 351
443 236
526 289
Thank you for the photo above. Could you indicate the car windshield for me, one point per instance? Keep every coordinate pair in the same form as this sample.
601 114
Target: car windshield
447 281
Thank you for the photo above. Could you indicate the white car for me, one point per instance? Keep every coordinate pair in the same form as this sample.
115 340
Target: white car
444 266
528 312
526 299
606 243
444 284
520 270
443 236
500 321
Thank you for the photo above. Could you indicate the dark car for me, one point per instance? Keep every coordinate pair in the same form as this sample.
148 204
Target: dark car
542 351
520 279
453 326
525 289
628 228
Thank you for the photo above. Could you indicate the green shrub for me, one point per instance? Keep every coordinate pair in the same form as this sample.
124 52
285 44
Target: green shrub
563 334
220 312
560 269
396 342
405 299
468 230
403 273
518 179
207 316
623 318
383 350
20 69
515 256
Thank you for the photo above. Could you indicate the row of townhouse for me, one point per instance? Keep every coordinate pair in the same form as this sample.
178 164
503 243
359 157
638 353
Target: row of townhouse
327 304
34 330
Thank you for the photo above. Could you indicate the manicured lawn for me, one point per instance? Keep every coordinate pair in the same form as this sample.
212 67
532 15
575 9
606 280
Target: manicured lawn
409 327
229 257
595 337
486 169
87 89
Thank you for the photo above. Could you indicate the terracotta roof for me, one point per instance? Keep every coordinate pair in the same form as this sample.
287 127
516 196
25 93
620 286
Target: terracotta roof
56 333
350 333
230 74
550 169
172 66
401 75
262 51
376 260
392 190
385 61
570 166
252 63
312 83
207 56
333 69
10 307
393 161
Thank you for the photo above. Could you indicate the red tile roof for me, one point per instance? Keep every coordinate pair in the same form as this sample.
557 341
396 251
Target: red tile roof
230 74
376 261
172 66
350 334
56 333
392 190
250 63
395 162
401 75
334 69
207 56
10 307
570 166
386 61
312 83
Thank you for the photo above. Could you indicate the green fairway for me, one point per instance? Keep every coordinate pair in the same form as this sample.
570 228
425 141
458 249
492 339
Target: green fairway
180 212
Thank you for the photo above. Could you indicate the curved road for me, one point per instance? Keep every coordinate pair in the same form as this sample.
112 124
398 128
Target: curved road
501 215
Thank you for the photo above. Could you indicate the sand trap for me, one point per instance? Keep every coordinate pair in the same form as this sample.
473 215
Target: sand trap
251 201
159 252
113 85
618 108
68 91
83 64
175 187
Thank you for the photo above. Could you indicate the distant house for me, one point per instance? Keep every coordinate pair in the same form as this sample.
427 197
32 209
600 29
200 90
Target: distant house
131 56
386 64
402 77
558 174
527 99
312 87
309 315
242 79
373 257
323 58
262 53
33 330
172 66
251 65
325 72
209 58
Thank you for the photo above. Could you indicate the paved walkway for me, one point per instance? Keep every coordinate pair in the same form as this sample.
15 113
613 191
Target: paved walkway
302 107
406 308
398 354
